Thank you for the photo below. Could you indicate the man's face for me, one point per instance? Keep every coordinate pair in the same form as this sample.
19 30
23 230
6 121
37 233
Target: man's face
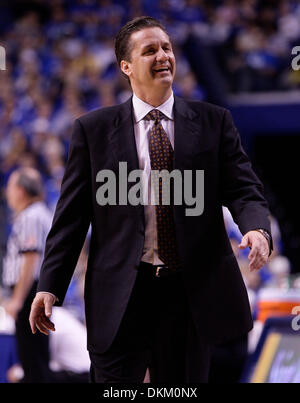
152 61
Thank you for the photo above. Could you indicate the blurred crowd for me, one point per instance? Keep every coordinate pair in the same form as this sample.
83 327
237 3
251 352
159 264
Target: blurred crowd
61 63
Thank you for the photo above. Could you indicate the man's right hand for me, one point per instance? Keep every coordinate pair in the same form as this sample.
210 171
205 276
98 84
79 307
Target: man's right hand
41 310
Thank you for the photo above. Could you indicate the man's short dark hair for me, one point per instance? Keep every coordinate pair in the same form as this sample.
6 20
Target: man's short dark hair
123 46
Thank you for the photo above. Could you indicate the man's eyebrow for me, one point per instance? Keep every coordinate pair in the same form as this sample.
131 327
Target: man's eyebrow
148 45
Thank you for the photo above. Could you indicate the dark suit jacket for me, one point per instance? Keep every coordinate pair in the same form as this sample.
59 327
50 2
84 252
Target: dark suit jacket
205 138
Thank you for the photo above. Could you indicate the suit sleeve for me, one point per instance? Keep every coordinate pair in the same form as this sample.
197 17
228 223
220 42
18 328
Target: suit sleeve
241 190
71 219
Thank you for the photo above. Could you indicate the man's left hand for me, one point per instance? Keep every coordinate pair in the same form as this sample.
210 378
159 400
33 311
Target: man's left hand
259 246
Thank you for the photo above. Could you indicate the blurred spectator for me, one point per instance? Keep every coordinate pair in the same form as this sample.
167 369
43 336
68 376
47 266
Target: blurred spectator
275 275
13 146
53 153
277 266
69 359
25 247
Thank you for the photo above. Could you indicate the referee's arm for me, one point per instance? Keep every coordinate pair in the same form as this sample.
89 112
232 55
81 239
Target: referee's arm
23 285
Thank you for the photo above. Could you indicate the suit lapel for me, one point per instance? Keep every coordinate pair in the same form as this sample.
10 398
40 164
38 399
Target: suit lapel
123 144
122 137
185 129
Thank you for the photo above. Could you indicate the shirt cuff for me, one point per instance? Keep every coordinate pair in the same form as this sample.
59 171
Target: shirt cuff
46 292
268 237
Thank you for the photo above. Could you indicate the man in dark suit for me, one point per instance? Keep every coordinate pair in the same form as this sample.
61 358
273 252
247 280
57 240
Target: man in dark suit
161 286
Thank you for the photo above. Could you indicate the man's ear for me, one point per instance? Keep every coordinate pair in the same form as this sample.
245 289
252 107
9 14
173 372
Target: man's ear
125 67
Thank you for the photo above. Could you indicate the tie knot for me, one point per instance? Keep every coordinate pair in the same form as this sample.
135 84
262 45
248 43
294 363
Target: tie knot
156 115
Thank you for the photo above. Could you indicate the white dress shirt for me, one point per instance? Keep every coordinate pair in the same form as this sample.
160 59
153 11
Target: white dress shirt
142 129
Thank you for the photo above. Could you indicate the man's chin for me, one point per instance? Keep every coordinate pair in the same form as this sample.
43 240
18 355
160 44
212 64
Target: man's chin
167 80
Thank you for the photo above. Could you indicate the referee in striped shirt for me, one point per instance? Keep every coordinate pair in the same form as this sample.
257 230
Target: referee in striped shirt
25 247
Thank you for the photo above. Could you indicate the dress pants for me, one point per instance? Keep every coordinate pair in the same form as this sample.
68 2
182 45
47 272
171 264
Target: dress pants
156 332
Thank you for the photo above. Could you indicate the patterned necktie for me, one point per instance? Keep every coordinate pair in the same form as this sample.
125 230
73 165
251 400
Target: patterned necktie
161 157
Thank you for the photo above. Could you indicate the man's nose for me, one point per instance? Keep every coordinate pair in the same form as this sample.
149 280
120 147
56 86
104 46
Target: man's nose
162 55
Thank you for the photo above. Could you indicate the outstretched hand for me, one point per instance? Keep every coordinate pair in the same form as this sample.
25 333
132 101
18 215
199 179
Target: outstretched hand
259 246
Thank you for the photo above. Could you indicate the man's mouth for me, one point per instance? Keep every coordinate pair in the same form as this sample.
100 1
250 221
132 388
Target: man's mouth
161 69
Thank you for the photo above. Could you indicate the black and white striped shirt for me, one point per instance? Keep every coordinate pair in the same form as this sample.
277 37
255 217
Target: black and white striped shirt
28 234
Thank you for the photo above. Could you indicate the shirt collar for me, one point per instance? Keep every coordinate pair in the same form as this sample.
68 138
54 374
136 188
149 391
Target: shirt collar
141 108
